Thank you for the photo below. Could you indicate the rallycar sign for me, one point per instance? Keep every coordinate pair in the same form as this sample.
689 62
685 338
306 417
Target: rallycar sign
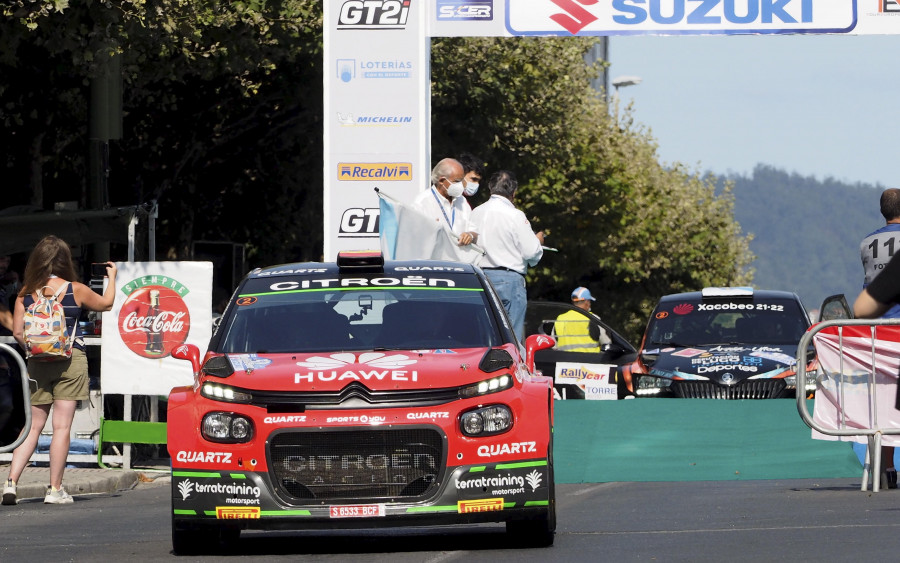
593 379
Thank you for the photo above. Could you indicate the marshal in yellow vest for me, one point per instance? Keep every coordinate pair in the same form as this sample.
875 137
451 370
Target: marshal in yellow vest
572 332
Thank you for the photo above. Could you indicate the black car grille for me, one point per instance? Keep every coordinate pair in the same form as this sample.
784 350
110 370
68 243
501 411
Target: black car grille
358 465
748 389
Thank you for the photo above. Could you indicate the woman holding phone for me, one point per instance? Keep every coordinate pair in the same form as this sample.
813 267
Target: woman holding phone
60 383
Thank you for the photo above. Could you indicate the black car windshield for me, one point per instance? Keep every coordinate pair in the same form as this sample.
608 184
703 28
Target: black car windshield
322 319
698 323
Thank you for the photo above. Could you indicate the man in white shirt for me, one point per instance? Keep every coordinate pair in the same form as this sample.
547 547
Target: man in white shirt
444 203
510 246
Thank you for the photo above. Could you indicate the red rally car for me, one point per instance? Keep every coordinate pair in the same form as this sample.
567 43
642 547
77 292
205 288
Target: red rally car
362 394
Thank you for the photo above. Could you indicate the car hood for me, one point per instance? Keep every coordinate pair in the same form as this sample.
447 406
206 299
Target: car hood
723 363
378 371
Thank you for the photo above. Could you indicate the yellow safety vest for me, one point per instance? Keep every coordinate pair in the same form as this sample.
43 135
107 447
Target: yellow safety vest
573 333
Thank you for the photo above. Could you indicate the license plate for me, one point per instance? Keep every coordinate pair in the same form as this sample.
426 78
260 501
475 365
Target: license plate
357 511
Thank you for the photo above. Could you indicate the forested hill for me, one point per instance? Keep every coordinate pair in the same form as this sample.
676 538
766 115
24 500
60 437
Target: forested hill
806 232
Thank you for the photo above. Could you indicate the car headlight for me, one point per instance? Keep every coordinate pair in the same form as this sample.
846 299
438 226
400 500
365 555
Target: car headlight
226 427
493 385
219 392
791 381
486 421
648 385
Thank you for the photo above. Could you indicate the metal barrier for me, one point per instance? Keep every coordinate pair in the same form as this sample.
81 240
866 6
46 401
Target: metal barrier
874 431
26 397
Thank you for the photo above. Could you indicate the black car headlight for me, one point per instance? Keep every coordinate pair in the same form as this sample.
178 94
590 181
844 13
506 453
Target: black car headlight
226 393
493 385
486 421
226 427
648 385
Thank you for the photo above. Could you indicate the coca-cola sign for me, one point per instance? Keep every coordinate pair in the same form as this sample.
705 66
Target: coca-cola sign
154 320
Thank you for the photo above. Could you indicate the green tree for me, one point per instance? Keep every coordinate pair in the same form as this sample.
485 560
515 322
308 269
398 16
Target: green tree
222 114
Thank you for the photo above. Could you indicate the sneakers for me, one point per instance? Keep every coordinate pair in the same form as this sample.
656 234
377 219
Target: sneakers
9 492
57 496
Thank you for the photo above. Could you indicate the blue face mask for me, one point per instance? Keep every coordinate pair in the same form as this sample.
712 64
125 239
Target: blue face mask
471 189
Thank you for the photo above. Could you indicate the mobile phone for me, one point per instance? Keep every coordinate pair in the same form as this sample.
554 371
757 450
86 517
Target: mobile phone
98 270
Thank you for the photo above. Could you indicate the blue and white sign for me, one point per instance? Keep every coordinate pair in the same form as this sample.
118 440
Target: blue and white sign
377 108
677 17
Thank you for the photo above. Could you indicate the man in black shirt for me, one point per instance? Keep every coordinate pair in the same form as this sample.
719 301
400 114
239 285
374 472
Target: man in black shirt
881 294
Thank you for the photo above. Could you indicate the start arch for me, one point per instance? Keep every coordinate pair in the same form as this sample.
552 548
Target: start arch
377 80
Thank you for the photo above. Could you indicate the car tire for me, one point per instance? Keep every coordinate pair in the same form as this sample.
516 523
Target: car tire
542 531
206 539
535 533
203 540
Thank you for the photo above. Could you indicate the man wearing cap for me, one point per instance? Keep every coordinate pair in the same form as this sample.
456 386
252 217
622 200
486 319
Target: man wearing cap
574 332
509 244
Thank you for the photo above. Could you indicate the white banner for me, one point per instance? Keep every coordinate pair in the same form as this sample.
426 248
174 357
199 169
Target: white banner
377 114
844 399
158 306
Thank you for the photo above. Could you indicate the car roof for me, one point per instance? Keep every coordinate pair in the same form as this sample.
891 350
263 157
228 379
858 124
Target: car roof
756 294
399 267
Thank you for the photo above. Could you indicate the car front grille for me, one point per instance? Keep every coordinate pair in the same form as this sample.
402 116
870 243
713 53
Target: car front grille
360 465
748 389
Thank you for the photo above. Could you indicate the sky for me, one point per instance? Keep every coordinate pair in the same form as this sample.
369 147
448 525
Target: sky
817 105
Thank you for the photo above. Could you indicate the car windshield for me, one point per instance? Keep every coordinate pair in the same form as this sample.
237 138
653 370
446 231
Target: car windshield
357 318
698 323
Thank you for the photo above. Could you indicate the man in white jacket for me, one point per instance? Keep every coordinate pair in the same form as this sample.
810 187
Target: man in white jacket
510 246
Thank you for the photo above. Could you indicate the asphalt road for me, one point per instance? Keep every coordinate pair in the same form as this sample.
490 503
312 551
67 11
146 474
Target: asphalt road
797 520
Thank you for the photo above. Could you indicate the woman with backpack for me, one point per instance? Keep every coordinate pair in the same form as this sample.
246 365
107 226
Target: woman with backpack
56 358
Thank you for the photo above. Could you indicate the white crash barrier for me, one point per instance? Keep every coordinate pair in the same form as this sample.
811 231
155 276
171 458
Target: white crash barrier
856 386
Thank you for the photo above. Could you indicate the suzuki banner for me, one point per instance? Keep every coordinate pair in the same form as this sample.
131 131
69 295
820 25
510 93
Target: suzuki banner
159 306
483 18
377 81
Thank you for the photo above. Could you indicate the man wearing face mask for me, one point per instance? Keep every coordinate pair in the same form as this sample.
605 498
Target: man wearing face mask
443 201
473 170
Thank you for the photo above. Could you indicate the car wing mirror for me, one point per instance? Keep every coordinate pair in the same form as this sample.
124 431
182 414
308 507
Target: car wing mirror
15 400
535 343
191 353
835 307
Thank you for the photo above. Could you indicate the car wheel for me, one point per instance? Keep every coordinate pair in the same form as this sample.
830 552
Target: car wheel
204 540
207 539
542 531
535 533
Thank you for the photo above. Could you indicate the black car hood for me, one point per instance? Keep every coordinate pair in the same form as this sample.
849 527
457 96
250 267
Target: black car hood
722 363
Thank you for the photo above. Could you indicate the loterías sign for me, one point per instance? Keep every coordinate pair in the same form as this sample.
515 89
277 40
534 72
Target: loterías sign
159 306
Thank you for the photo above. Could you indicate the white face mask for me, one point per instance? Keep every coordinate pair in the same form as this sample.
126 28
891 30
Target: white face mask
455 189
471 188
